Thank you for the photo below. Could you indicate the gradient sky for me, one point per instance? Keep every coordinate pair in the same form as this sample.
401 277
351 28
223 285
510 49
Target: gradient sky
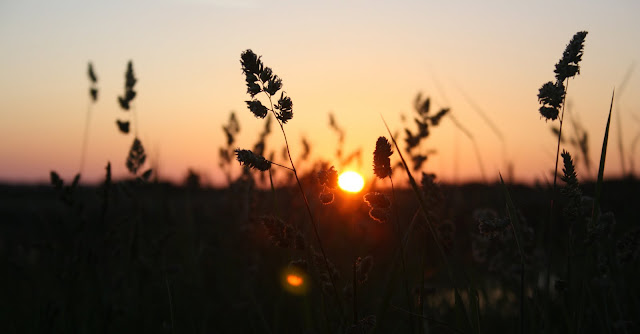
358 59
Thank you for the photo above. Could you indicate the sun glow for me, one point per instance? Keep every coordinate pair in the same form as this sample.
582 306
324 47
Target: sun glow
351 181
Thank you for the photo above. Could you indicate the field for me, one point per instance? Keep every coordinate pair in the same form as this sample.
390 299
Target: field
174 259
303 256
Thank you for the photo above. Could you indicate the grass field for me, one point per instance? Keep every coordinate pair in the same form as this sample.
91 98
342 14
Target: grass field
173 259
403 255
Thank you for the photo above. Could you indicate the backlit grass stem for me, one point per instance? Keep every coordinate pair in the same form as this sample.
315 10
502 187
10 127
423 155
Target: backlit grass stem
517 233
402 252
85 138
261 79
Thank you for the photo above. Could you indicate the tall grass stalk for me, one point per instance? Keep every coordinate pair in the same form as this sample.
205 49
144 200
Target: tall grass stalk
85 138
422 203
553 194
421 200
273 192
402 252
517 233
621 149
261 79
93 93
623 164
561 119
552 96
306 203
595 213
386 296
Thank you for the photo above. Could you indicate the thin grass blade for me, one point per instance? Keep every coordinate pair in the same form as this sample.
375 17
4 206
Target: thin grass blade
603 156
424 207
517 232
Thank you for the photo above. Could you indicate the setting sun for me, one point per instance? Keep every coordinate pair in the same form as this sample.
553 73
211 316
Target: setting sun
351 181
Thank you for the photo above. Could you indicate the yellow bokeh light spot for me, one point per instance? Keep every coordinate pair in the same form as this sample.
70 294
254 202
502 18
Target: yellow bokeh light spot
351 181
294 280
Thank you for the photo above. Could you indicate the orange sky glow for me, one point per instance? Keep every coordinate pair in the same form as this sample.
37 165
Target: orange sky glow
360 60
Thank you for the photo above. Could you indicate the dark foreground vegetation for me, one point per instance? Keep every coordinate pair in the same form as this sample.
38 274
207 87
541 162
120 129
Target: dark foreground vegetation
157 258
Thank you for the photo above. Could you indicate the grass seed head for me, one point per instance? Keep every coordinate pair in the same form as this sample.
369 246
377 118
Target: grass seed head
92 74
568 66
572 189
251 63
252 160
432 190
326 198
129 93
285 107
282 234
123 126
551 96
435 120
377 200
137 156
324 275
274 84
381 161
56 181
130 77
257 108
489 224
363 268
570 177
94 94
231 129
328 178
379 214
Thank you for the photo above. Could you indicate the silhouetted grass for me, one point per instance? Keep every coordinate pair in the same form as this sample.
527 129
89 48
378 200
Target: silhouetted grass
130 256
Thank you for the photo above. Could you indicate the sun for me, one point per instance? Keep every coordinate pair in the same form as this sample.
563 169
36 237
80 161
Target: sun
351 181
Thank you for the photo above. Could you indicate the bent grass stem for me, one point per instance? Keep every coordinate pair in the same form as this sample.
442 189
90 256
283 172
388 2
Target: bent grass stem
306 202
